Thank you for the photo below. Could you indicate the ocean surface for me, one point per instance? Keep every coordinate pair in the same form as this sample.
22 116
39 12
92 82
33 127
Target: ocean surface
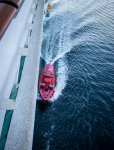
78 39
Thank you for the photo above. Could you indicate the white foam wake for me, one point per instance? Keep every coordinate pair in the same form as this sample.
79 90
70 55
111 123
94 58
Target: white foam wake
61 78
56 45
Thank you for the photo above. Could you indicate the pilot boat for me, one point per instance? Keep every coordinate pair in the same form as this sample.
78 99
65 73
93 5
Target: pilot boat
47 82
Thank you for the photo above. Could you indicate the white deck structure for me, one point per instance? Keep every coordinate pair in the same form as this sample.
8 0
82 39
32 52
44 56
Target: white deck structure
20 135
13 38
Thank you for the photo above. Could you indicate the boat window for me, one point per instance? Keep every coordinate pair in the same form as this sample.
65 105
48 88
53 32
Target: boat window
45 72
42 84
48 76
51 86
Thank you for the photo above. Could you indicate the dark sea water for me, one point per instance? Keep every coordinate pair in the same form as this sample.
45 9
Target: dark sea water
78 38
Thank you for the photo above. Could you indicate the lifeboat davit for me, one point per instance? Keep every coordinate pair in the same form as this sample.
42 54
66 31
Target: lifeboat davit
47 81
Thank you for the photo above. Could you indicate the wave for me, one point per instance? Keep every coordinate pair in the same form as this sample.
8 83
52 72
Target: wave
61 79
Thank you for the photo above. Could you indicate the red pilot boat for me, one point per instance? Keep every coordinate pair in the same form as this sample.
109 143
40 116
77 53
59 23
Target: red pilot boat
47 81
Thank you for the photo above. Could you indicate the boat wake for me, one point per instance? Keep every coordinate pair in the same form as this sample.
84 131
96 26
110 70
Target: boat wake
56 43
61 79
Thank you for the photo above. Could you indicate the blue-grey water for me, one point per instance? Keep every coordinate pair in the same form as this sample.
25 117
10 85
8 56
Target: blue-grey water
78 38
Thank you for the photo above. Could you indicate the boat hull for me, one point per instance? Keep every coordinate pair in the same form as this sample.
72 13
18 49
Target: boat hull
47 81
